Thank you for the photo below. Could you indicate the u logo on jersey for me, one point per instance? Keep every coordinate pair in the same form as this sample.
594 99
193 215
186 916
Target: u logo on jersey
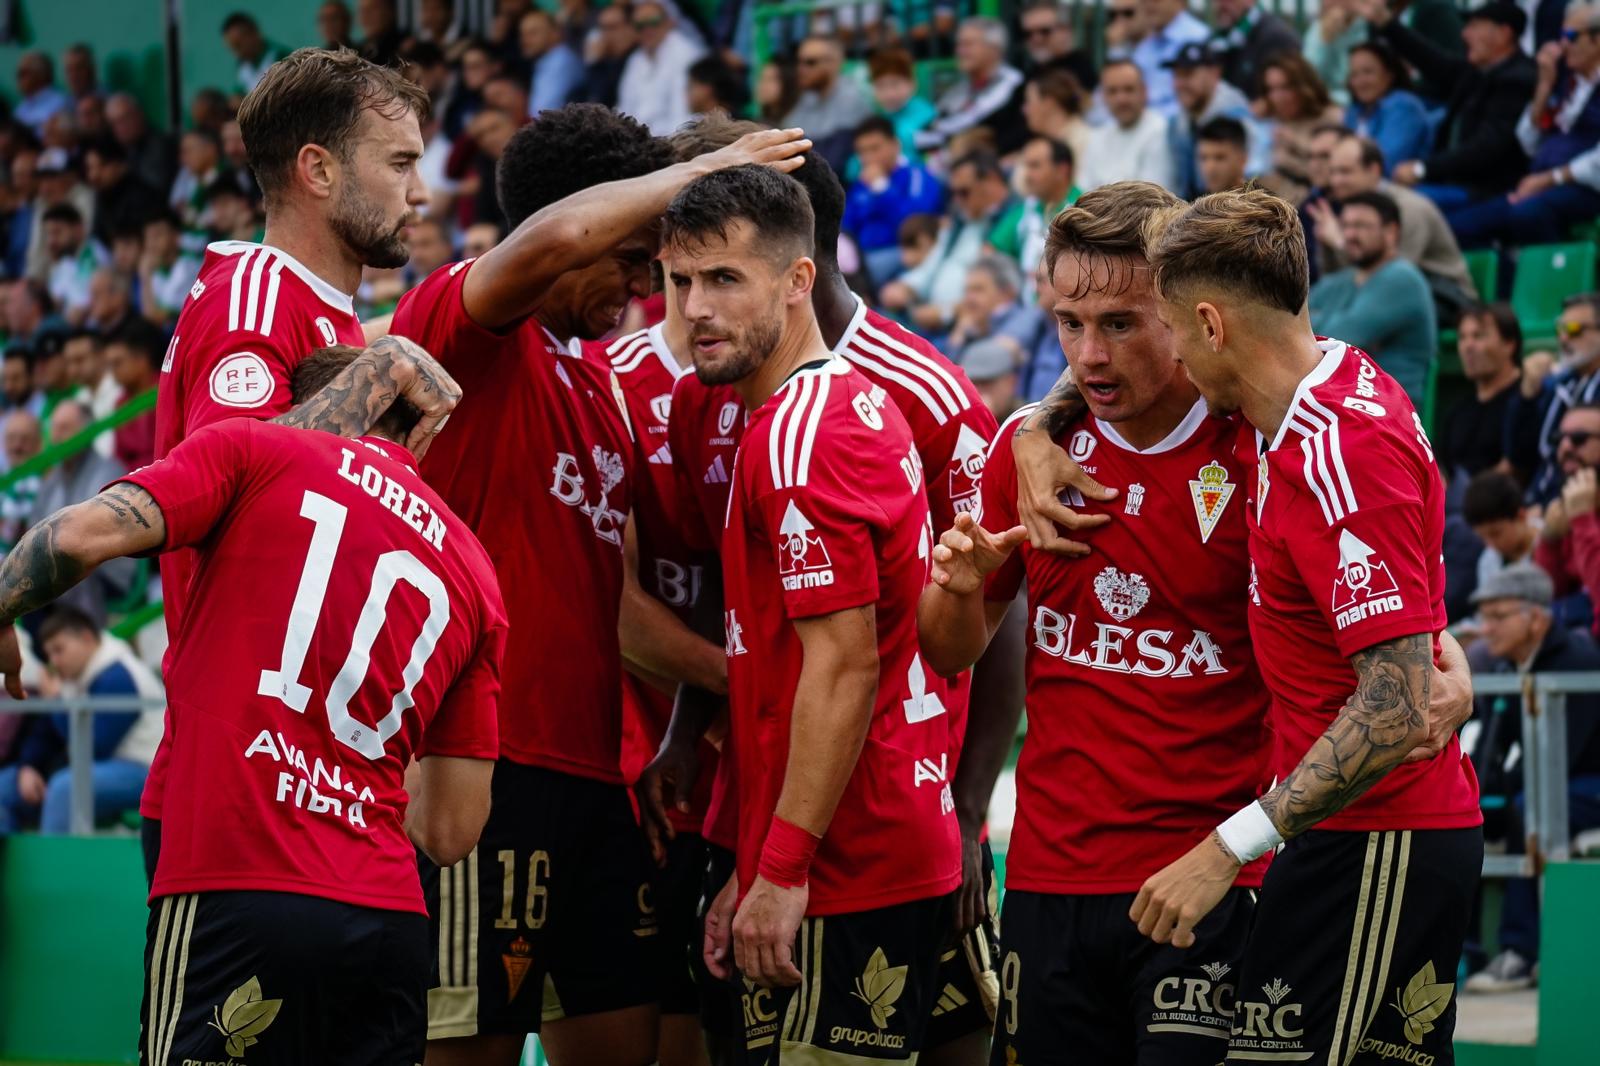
568 487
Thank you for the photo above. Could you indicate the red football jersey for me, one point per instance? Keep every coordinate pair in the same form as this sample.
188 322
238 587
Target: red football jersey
539 461
1346 533
303 697
669 569
251 316
828 513
1147 720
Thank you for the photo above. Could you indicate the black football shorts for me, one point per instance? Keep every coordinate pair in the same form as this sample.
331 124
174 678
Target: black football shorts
969 979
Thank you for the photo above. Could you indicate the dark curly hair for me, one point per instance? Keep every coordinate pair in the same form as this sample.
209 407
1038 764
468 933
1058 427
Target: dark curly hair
571 149
774 205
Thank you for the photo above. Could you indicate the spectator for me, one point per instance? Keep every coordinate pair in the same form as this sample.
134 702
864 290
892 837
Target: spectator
986 93
1221 152
1202 95
150 152
1296 104
918 236
166 273
79 72
1382 106
1472 434
655 81
210 110
381 36
1475 152
989 310
1328 42
50 377
606 54
133 356
333 25
830 106
200 152
16 380
77 478
991 366
58 183
38 99
479 238
930 291
437 25
1046 171
110 300
242 34
1356 166
1492 507
715 87
1249 39
1125 28
1560 132
889 189
1171 28
1052 106
83 352
1133 146
1569 542
1522 636
91 116
232 216
236 160
120 198
479 64
18 198
894 92
429 244
1549 389
90 664
777 89
1380 303
73 260
30 314
22 440
1052 45
557 71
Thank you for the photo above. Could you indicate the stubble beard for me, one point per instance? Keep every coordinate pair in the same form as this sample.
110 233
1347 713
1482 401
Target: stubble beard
361 227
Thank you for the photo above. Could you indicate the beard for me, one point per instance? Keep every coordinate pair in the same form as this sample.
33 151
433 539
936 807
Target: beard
361 226
751 349
1367 260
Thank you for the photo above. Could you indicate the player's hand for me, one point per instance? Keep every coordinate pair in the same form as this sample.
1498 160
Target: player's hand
1044 471
671 773
967 553
972 902
782 150
1449 699
30 786
719 930
11 661
421 380
764 932
1175 899
1578 494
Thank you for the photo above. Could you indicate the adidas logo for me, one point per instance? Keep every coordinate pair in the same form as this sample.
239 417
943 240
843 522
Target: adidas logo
716 473
662 456
950 999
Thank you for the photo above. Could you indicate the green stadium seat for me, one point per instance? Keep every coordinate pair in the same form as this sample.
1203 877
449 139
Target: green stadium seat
1546 275
1484 269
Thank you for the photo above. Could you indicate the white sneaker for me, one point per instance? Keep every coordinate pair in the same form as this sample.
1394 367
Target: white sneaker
1506 972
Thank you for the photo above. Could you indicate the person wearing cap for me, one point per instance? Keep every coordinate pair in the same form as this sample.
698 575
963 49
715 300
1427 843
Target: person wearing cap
1172 27
1201 96
991 366
1520 633
1475 153
1560 131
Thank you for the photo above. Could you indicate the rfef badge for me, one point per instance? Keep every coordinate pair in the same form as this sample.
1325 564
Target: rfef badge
1211 491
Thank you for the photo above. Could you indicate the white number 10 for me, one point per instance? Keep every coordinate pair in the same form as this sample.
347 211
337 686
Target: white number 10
327 518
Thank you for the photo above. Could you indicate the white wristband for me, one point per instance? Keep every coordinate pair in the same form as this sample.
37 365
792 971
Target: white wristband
1249 834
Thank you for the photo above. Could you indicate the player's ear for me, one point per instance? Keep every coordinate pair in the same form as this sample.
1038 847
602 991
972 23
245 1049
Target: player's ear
802 276
1210 325
317 170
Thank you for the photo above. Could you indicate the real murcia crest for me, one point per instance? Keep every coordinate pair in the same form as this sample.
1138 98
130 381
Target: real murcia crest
1211 491
1122 595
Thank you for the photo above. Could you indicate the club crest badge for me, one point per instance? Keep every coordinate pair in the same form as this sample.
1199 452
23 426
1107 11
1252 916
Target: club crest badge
1211 490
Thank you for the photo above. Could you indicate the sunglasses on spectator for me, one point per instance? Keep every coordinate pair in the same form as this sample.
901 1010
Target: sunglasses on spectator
1038 31
1573 329
1572 35
961 192
812 61
1114 13
647 23
1578 437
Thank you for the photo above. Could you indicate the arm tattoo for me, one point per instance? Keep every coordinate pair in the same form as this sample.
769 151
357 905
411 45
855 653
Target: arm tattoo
358 397
123 501
37 570
1060 406
1382 721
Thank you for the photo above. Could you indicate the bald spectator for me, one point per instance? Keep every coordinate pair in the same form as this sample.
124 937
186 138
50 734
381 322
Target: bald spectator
987 93
655 81
557 72
133 359
333 24
78 70
151 153
37 97
22 440
1133 145
381 36
1248 36
242 34
1171 29
831 105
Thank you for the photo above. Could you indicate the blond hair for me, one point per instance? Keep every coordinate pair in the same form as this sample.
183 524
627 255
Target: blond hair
1248 242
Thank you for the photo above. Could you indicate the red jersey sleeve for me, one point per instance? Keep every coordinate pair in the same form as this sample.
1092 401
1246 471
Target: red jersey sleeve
1368 569
244 373
466 726
198 479
433 315
824 537
998 511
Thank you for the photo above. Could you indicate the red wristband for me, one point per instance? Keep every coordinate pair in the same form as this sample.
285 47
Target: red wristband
787 854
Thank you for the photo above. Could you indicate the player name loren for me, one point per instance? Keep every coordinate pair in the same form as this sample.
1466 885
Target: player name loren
406 505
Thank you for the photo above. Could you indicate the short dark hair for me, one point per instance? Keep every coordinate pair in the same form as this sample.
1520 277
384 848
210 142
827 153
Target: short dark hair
165 216
775 206
984 163
1491 496
417 53
19 351
82 334
314 372
63 213
728 86
109 149
317 96
571 149
1385 54
224 185
240 20
1224 130
1505 323
879 125
1060 151
1388 213
65 618
1371 154
914 228
141 337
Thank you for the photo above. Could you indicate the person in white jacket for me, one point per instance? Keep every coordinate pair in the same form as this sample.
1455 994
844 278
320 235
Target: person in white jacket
1133 145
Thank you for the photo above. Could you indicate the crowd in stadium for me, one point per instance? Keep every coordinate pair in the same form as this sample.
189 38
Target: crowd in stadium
1403 142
